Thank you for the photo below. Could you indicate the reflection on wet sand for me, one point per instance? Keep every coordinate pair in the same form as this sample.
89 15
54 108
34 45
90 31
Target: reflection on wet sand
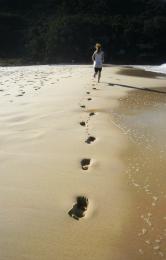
141 116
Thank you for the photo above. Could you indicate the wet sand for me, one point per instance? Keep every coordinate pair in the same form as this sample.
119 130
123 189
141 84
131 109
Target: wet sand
140 116
47 115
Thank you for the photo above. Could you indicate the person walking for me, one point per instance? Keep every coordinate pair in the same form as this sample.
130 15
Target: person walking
98 59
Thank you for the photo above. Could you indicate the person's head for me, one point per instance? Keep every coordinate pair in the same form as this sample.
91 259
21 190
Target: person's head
98 47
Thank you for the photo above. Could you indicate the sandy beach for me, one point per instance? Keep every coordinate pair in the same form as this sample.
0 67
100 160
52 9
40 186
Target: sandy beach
47 115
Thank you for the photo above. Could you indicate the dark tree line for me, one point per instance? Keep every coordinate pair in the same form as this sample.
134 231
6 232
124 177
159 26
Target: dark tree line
53 31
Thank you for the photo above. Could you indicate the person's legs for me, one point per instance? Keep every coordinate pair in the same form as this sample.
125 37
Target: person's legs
99 75
95 72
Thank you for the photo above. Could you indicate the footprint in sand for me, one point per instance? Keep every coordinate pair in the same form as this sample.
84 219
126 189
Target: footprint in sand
82 123
85 163
88 92
89 99
90 139
1 90
79 208
94 88
82 106
91 114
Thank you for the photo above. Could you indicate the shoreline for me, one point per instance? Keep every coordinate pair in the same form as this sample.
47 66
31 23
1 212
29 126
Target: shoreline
144 67
140 115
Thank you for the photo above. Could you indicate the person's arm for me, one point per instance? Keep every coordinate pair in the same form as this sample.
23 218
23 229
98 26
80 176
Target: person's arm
93 57
103 57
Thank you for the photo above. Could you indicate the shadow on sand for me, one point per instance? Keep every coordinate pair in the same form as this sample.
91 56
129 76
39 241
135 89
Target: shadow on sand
139 88
135 72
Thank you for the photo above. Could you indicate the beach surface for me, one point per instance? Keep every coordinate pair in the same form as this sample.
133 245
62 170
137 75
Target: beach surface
53 118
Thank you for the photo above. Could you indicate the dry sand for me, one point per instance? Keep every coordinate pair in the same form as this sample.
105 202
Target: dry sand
42 144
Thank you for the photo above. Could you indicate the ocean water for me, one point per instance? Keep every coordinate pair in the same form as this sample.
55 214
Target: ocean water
160 69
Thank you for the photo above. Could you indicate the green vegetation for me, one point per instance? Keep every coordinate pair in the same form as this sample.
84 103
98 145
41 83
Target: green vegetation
54 31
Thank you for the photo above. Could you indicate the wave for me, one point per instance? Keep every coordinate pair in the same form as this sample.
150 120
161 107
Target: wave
160 69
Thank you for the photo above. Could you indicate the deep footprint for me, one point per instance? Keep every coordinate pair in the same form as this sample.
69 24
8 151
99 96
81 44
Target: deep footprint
85 163
90 139
82 123
82 106
89 99
79 208
92 114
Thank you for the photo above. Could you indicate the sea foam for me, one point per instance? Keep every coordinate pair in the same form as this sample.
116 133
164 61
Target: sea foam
160 69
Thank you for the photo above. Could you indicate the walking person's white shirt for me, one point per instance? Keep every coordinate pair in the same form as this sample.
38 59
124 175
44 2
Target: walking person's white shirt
98 58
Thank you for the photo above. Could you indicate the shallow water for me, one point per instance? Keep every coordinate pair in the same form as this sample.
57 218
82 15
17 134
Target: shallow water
141 117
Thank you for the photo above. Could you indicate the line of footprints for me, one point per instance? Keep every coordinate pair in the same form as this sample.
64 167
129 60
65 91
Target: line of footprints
81 205
90 139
